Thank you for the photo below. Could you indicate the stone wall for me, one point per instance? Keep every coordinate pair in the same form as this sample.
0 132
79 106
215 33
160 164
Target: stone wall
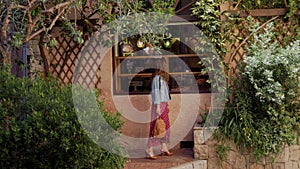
205 149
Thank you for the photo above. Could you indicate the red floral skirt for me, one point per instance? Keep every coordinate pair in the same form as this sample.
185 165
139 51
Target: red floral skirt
165 117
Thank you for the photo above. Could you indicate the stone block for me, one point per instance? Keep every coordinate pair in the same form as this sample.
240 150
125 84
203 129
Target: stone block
200 164
261 161
291 165
240 162
275 166
294 153
257 166
201 152
295 165
226 165
213 163
183 166
198 137
203 134
288 165
232 157
212 151
283 156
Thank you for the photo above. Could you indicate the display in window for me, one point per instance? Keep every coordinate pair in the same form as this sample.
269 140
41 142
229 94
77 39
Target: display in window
184 66
126 48
140 43
167 43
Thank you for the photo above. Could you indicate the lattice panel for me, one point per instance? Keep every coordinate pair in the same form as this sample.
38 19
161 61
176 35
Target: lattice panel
89 62
285 30
236 55
63 60
69 64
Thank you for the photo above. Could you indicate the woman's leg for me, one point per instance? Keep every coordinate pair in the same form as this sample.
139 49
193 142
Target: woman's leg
164 150
165 117
164 147
150 153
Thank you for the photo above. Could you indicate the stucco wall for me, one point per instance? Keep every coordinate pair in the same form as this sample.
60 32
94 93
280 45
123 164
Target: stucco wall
136 108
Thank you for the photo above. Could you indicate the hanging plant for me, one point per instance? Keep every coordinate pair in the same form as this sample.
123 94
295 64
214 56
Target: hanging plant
130 19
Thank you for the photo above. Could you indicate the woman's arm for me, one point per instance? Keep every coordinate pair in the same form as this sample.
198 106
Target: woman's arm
155 90
158 113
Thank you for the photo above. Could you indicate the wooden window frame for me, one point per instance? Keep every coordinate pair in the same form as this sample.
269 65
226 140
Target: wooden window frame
118 85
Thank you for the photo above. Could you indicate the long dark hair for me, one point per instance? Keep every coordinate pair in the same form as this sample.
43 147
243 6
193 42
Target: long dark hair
160 68
162 74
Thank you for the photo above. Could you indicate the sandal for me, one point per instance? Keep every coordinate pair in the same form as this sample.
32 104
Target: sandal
166 153
150 155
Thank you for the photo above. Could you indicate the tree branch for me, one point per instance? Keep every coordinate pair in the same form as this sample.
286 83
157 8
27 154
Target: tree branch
30 24
58 6
6 23
43 55
30 2
46 29
20 6
238 3
36 20
129 6
285 3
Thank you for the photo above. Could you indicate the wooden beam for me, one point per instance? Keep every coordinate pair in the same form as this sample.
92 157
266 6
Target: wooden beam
185 7
176 3
183 18
261 12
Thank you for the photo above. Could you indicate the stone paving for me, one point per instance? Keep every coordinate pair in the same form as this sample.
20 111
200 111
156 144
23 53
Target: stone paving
180 156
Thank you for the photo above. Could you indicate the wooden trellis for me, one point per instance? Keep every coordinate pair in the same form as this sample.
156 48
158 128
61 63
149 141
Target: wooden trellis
64 55
66 59
237 52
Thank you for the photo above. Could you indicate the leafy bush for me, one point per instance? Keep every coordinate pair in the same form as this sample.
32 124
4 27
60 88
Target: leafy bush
39 128
264 114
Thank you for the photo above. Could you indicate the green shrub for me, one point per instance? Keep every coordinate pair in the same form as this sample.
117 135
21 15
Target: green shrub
40 129
264 114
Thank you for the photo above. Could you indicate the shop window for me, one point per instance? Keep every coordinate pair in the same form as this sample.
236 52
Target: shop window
133 64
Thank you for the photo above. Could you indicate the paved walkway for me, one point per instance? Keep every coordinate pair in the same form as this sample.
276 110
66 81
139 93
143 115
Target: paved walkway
180 156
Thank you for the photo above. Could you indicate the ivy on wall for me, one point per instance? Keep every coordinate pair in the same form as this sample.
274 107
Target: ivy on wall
208 13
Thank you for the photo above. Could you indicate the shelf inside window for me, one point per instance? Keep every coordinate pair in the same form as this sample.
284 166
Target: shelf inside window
134 73
160 56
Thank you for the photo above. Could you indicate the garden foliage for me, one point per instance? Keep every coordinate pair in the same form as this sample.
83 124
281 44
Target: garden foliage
39 128
264 114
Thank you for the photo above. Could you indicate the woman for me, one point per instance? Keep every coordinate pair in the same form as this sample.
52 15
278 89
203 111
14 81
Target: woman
160 98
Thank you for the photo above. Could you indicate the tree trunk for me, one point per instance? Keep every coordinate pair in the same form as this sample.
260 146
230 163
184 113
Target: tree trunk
43 55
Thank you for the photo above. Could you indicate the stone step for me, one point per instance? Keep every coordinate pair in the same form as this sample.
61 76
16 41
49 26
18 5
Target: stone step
199 164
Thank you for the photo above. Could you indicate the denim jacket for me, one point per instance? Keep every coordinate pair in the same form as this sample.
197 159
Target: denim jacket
159 90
